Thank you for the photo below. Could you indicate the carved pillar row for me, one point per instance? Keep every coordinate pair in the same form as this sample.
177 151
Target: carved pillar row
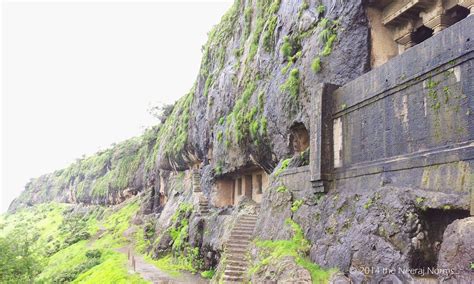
436 18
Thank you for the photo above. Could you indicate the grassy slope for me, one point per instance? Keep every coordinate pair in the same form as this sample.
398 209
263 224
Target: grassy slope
47 219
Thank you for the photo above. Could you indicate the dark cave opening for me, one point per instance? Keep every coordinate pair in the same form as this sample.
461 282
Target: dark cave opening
427 241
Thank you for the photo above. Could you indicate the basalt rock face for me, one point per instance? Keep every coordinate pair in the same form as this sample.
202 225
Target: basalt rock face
366 233
239 111
456 251
215 127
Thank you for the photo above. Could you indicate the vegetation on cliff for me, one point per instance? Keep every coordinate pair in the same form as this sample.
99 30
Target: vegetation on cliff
58 243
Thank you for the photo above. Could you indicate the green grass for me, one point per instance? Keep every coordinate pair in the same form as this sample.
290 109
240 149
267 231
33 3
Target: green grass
297 247
208 274
112 270
85 261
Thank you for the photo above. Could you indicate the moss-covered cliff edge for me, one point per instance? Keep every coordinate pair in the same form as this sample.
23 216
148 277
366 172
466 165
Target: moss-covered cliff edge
259 66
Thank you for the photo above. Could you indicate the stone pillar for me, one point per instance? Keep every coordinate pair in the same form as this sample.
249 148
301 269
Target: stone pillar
435 17
469 4
321 141
403 35
196 180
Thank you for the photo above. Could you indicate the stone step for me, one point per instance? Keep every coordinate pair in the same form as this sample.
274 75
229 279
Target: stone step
249 217
239 241
237 245
234 267
243 231
237 279
240 236
237 263
242 251
236 257
246 223
234 273
244 226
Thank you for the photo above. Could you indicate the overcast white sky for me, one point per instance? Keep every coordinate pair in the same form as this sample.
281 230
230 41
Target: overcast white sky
78 76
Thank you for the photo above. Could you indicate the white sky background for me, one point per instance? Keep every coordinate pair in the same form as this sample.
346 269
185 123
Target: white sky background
78 76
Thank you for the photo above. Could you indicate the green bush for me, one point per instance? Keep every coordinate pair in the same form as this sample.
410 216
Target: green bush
208 274
18 262
76 237
94 253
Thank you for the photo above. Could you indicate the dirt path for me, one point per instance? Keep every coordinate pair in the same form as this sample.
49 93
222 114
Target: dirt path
151 273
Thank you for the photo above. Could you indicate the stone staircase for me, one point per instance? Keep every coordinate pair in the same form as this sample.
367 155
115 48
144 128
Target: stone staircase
236 249
203 206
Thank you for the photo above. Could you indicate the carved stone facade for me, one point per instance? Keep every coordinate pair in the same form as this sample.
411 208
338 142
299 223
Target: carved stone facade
410 22
250 183
408 123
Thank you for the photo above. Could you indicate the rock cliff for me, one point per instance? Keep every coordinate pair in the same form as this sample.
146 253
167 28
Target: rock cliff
259 68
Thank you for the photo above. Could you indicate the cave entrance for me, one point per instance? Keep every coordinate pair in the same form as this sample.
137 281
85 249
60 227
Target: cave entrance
229 189
299 138
428 241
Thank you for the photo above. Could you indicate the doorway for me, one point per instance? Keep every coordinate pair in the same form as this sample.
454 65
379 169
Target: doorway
248 186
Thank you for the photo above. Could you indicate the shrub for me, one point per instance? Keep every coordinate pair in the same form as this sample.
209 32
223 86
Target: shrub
94 253
208 274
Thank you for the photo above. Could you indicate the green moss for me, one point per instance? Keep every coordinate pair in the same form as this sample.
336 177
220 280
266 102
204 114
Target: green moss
269 34
220 136
316 65
328 46
321 9
296 205
286 48
207 85
214 51
284 166
292 84
247 122
420 200
265 19
281 188
369 203
222 120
